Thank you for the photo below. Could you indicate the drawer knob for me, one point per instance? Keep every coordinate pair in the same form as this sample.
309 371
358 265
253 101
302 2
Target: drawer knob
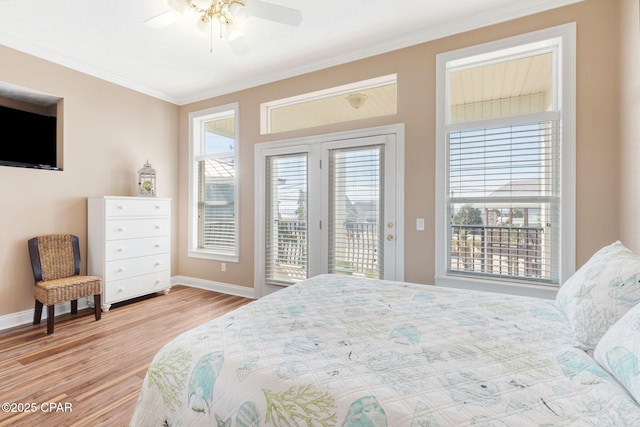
157 227
157 245
158 263
121 289
120 249
121 269
120 229
121 207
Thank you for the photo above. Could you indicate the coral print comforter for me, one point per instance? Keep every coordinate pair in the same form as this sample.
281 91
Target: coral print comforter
344 351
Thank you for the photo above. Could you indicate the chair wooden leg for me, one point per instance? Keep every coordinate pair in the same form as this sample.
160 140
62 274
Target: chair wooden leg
50 316
37 313
74 306
97 308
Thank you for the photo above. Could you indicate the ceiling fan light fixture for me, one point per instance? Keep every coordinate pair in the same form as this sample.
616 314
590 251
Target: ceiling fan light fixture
228 17
179 7
203 27
239 12
200 4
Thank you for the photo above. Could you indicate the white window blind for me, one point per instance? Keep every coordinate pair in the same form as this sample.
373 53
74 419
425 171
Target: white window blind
356 188
503 199
286 230
216 204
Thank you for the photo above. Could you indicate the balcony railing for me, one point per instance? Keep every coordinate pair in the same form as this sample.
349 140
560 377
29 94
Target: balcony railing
359 253
355 249
292 242
498 250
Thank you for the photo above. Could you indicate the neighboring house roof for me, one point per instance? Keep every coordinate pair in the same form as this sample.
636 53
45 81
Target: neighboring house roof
518 188
518 191
216 168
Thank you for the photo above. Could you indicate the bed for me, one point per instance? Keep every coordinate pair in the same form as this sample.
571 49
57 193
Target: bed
347 351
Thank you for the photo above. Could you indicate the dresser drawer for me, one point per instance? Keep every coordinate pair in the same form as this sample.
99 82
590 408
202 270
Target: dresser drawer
121 290
127 248
137 207
135 228
124 268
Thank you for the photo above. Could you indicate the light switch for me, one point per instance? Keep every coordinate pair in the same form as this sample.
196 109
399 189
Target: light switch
420 224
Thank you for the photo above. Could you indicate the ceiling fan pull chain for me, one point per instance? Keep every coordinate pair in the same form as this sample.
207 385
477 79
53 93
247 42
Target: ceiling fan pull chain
211 36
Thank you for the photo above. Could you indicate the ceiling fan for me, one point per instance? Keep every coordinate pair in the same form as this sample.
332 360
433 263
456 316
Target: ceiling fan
227 17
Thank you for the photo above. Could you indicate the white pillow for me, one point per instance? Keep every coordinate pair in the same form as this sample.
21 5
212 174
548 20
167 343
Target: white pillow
600 293
619 351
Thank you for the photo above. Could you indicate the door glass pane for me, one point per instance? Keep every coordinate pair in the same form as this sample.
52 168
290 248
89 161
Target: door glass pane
286 235
356 211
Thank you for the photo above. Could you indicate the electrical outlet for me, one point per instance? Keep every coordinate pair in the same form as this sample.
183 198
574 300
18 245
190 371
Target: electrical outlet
420 224
223 266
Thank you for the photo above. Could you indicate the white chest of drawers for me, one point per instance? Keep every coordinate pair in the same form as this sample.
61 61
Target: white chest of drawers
129 246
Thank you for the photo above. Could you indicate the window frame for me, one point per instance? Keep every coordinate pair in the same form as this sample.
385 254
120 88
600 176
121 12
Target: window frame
268 108
565 37
197 119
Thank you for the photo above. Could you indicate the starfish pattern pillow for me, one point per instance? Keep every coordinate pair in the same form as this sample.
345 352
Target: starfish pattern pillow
619 351
600 293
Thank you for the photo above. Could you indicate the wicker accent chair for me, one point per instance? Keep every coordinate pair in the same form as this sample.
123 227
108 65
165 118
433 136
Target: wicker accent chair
55 260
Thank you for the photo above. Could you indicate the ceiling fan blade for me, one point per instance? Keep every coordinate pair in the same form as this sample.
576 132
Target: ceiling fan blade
274 12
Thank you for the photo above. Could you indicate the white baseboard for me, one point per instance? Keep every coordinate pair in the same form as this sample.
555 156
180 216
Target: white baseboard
24 317
210 285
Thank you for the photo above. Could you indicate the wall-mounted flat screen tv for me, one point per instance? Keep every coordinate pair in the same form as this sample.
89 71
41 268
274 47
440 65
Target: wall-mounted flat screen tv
27 139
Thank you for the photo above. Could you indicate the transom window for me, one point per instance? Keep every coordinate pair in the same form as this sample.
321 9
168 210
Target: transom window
366 98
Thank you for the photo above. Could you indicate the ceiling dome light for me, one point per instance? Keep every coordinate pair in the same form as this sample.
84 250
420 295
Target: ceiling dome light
357 100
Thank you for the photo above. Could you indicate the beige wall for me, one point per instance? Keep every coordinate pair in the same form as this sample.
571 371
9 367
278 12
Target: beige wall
629 215
597 135
107 138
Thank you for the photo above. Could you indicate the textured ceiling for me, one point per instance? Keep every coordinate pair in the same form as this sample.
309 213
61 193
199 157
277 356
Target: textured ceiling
116 41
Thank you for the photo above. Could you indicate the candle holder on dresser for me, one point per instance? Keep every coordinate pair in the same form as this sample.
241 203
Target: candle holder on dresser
147 181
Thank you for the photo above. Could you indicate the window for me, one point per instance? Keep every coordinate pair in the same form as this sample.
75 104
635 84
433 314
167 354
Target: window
505 156
367 98
213 194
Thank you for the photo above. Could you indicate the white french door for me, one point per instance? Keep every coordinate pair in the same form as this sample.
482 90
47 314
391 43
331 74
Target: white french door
328 206
360 231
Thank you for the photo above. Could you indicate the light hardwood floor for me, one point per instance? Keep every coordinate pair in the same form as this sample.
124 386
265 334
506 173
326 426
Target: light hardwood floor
89 373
